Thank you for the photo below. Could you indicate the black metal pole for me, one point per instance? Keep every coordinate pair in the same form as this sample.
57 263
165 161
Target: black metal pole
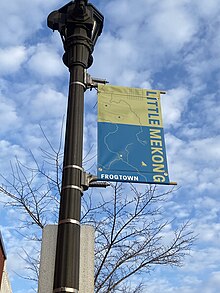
66 277
79 25
68 240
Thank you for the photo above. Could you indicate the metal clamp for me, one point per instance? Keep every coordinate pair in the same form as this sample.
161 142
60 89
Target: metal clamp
92 82
73 167
71 221
86 179
73 187
89 180
79 83
65 289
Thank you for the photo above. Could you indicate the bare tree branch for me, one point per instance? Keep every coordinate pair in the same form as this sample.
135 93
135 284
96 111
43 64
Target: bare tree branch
131 237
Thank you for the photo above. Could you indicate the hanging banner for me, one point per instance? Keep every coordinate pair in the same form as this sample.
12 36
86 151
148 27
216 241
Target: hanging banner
131 145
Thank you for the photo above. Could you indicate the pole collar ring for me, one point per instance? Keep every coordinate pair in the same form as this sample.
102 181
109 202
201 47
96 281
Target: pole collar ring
79 83
65 289
74 167
73 187
71 221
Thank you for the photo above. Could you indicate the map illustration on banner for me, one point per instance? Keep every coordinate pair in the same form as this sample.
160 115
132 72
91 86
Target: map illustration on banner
131 146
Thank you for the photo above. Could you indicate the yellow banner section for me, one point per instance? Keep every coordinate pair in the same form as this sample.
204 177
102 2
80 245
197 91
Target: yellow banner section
124 105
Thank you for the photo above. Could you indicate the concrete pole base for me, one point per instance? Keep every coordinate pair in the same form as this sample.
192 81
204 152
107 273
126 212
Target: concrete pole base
48 254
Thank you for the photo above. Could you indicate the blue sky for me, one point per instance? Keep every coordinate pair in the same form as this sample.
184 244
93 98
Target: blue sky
168 45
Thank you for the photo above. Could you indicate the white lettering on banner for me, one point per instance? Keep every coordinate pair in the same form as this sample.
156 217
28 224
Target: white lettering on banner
154 116
119 177
157 154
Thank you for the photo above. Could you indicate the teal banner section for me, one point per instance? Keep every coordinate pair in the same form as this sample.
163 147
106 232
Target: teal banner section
131 153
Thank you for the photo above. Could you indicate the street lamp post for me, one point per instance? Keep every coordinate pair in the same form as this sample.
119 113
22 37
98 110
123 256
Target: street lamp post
79 25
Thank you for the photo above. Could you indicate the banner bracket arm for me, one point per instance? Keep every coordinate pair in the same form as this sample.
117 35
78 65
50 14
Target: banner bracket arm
89 180
92 82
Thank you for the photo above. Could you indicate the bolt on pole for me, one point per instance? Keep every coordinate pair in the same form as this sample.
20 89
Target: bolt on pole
79 25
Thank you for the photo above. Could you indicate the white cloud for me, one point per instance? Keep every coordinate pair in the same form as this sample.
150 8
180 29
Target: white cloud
202 259
174 104
22 18
209 232
213 284
8 116
47 104
46 62
188 162
11 59
210 110
173 24
126 13
9 152
208 9
117 54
